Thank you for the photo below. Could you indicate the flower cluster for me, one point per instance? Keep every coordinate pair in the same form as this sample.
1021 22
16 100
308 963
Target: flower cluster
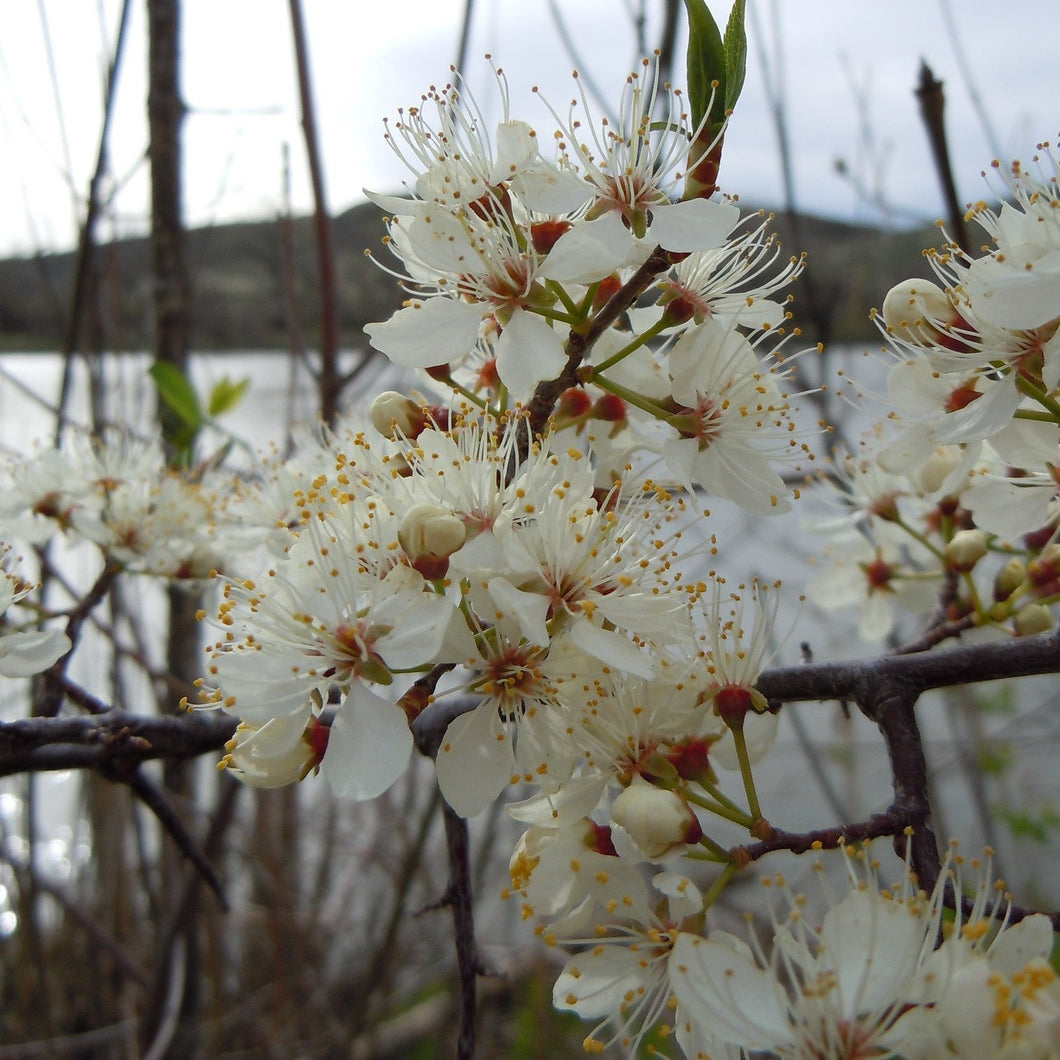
419 569
513 563
116 493
957 500
872 980
526 271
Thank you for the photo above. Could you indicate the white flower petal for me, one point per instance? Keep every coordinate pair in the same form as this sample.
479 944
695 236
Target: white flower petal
615 649
428 333
719 984
1010 296
530 610
261 683
475 760
590 251
696 224
31 651
418 633
983 417
369 746
546 189
516 146
528 352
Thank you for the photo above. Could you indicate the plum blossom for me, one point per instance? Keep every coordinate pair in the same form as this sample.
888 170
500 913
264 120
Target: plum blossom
633 171
482 278
829 993
622 979
732 421
876 577
23 652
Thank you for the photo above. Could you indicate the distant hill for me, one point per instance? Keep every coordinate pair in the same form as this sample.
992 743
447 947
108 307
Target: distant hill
240 299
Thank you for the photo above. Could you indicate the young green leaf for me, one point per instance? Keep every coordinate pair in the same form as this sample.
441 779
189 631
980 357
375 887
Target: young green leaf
226 395
735 55
175 390
706 64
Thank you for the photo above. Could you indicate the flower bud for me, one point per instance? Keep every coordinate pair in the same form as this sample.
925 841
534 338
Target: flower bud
965 549
429 535
913 309
1011 576
544 235
691 759
1032 619
1044 571
656 819
573 404
281 751
394 415
932 473
610 408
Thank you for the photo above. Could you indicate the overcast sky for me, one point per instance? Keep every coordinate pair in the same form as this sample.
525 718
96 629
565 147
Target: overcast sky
848 68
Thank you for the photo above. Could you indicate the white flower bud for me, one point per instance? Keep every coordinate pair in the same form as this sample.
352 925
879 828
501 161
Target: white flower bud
394 414
279 752
1032 619
965 549
933 472
912 307
656 819
430 532
1011 576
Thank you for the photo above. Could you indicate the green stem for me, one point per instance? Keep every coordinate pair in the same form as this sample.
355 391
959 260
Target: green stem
1033 414
1025 386
918 536
705 855
641 340
973 594
572 307
745 772
637 400
733 813
465 393
555 314
716 793
719 885
716 849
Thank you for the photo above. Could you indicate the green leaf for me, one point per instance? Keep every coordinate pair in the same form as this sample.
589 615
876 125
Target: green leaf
735 55
711 58
226 395
706 62
1026 824
175 390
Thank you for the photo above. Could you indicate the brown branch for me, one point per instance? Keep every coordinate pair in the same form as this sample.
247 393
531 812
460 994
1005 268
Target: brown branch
860 680
51 698
25 871
325 244
932 104
86 244
102 741
458 896
580 343
156 800
428 730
